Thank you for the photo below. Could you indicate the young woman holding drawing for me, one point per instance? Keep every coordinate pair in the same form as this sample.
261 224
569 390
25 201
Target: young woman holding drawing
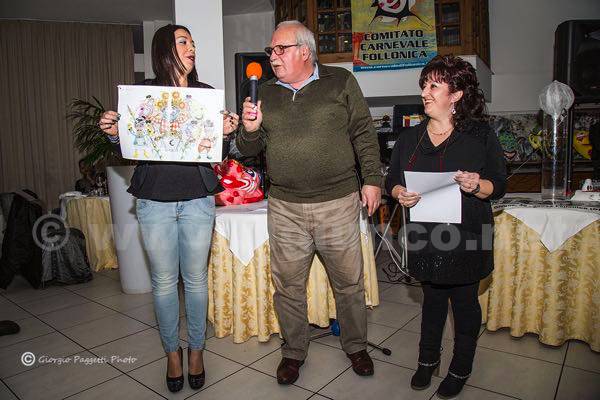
450 259
176 211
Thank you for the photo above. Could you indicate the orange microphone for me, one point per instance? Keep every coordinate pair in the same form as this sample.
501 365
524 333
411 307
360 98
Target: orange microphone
254 73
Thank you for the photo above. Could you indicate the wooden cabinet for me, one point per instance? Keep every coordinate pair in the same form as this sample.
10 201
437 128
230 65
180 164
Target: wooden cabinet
330 20
298 10
332 25
462 26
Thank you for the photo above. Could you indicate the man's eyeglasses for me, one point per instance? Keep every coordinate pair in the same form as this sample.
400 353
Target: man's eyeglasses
279 49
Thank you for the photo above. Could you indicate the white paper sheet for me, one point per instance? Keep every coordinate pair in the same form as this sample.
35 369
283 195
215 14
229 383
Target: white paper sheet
165 123
440 197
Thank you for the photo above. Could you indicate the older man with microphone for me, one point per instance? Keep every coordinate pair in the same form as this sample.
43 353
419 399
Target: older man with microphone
315 125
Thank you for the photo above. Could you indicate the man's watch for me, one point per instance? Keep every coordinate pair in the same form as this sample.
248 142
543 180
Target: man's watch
476 190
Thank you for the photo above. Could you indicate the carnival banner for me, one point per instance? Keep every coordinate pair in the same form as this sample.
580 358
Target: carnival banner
392 34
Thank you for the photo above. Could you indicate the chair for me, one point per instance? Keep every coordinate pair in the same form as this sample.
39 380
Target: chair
20 254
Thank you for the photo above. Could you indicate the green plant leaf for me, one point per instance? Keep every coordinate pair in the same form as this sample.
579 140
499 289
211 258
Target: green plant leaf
90 140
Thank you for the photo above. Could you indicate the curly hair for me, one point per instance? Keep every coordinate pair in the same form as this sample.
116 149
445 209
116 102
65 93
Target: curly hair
459 75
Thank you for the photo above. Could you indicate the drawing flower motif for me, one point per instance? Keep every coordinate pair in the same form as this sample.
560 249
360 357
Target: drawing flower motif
170 124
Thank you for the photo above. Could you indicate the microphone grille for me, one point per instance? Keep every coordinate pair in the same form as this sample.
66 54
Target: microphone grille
254 69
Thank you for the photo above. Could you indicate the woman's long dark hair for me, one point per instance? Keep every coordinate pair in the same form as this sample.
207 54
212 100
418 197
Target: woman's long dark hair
165 62
459 75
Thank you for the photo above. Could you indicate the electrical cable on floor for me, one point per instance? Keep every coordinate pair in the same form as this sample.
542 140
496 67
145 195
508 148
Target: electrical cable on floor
397 270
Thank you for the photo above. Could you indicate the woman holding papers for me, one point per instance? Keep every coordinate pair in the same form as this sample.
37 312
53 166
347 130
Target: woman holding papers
450 258
176 210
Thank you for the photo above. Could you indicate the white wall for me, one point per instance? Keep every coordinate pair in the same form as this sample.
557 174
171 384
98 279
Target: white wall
204 19
522 47
521 41
243 33
149 28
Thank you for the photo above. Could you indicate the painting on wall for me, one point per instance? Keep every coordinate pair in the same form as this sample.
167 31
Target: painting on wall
581 135
521 136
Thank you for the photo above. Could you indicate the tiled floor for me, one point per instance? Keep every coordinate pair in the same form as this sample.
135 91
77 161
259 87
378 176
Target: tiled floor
93 320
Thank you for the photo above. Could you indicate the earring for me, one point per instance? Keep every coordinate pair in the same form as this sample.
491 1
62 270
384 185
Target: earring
453 110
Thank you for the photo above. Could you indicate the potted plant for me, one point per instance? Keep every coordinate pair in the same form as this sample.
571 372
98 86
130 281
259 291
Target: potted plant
89 138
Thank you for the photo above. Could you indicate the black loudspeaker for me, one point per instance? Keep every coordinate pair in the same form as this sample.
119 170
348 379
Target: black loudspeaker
241 81
577 58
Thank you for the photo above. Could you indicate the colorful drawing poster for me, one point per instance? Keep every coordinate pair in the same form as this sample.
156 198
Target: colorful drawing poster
162 123
392 34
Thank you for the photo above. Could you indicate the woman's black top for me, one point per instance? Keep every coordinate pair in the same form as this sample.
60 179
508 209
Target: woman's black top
473 148
171 181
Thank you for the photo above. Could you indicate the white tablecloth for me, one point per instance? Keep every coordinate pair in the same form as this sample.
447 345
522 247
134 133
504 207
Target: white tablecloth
92 216
240 286
555 226
245 227
64 200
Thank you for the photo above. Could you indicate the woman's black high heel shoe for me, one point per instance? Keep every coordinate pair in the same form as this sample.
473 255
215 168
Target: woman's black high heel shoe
421 380
196 381
176 384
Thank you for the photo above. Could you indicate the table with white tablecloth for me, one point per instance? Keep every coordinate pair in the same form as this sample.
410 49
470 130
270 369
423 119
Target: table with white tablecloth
92 216
239 277
546 274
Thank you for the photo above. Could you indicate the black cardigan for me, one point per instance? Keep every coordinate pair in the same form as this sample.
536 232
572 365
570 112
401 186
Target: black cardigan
473 148
171 181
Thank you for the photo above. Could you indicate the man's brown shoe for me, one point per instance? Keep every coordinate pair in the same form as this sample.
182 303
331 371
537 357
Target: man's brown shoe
361 363
288 371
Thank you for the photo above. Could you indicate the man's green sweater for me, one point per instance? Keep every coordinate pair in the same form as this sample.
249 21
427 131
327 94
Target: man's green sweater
314 137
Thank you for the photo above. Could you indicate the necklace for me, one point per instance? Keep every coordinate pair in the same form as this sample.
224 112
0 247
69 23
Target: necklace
440 134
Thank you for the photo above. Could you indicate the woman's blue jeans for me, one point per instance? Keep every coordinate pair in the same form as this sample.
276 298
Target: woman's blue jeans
177 238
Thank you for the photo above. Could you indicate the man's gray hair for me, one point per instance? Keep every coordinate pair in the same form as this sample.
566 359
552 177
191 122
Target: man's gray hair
304 36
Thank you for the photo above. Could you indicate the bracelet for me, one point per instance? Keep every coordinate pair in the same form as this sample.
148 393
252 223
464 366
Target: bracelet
113 139
476 190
